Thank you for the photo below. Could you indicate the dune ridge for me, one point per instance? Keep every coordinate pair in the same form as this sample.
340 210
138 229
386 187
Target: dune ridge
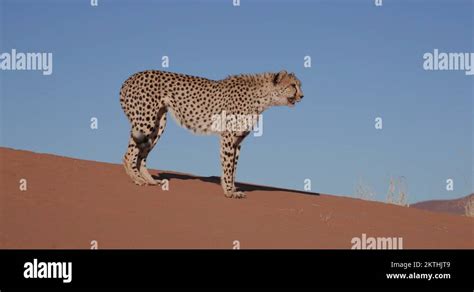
72 203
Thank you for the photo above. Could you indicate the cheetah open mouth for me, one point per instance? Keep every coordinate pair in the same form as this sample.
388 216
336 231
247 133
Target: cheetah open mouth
291 100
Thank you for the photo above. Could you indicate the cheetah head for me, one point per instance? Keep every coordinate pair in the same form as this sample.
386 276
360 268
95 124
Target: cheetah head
286 89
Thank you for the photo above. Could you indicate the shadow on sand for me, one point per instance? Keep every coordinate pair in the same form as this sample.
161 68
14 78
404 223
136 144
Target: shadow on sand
216 180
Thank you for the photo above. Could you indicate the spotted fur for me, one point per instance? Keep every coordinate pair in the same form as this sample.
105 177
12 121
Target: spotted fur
146 97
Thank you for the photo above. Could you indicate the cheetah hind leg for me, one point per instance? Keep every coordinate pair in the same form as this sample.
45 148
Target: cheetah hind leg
130 163
146 175
159 128
144 150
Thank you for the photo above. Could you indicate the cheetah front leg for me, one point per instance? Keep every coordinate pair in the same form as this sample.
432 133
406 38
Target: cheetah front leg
230 148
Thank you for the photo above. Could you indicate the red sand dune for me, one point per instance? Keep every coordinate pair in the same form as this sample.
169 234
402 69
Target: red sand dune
456 206
71 202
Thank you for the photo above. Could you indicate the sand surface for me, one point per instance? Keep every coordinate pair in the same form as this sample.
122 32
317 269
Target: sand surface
69 203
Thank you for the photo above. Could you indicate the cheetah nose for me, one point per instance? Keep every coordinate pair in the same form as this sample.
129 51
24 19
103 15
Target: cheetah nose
301 96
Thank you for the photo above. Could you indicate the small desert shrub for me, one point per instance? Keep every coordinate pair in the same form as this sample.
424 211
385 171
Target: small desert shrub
364 191
400 198
469 208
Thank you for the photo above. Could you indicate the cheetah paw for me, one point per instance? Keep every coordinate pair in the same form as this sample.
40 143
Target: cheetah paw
236 195
152 182
139 181
155 182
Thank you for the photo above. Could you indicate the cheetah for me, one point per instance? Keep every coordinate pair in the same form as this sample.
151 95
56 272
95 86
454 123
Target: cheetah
194 102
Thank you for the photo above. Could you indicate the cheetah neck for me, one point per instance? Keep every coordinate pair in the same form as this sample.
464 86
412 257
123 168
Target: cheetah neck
262 103
260 87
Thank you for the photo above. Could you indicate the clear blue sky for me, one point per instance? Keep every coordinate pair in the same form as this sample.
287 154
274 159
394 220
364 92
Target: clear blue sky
366 62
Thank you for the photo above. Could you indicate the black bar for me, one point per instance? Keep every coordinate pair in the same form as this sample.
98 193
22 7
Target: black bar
239 268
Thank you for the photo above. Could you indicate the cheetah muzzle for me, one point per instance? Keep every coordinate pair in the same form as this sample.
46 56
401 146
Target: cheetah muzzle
195 102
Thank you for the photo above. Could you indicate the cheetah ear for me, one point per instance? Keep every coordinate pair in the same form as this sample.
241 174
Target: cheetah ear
279 76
